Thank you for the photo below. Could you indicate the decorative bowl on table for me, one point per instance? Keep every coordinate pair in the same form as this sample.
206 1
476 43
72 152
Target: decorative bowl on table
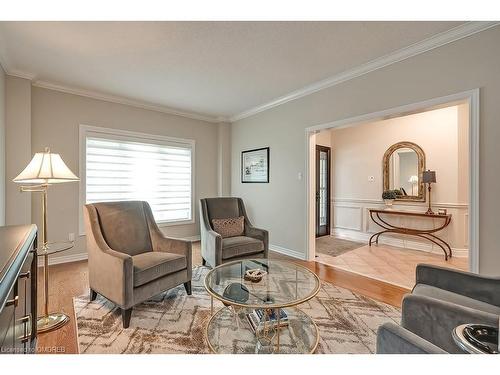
255 275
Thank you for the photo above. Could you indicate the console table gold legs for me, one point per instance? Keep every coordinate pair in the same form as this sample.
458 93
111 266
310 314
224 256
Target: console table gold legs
427 234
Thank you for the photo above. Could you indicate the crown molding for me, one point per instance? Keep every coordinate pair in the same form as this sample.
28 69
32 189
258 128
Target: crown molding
438 40
20 74
123 100
106 97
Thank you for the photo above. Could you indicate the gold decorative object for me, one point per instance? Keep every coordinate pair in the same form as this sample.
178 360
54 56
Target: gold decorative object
255 275
45 169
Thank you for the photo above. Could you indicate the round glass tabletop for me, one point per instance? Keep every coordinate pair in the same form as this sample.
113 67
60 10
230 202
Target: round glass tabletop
285 284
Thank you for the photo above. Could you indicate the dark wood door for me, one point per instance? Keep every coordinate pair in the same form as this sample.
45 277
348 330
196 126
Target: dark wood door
323 163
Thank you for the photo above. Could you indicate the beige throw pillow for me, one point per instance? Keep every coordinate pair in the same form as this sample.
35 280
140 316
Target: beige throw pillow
231 227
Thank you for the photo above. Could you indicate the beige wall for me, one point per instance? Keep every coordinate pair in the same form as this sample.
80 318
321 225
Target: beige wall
2 146
17 148
56 118
358 152
463 65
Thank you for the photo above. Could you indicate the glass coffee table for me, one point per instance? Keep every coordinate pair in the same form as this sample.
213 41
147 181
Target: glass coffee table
261 317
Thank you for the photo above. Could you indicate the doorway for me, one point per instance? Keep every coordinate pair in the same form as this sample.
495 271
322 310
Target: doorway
349 217
323 162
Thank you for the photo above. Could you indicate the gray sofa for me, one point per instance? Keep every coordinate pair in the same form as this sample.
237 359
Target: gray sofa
441 300
216 250
130 260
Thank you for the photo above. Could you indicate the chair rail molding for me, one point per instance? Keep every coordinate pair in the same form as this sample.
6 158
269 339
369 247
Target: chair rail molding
472 98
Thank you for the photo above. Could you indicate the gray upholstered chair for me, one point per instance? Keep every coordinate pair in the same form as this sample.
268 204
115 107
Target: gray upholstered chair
441 300
130 260
216 250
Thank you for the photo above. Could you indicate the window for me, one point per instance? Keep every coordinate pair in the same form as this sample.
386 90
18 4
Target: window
121 165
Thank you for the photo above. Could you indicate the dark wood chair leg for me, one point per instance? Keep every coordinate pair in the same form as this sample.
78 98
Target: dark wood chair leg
187 286
126 314
92 294
203 262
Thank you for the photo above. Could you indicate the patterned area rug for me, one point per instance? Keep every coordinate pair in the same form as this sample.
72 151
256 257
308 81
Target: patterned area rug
335 246
175 323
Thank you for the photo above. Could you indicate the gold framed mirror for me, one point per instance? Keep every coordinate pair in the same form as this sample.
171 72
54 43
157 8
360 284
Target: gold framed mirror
403 165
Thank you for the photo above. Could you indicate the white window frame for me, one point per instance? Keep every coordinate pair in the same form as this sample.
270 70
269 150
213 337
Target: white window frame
88 130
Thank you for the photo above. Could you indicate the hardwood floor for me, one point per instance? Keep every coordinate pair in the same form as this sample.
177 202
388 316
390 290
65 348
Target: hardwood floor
71 279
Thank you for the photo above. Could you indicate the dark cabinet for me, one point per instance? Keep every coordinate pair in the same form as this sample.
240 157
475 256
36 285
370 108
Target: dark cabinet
18 273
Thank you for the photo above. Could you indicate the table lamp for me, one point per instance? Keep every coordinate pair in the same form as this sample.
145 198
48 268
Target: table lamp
45 169
429 177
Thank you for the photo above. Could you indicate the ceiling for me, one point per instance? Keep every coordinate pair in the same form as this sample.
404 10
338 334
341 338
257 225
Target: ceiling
217 69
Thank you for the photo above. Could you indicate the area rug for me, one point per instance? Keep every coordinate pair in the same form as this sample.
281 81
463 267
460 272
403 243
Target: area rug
335 246
174 322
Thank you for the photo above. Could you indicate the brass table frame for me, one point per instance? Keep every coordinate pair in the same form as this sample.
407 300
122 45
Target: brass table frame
427 234
266 307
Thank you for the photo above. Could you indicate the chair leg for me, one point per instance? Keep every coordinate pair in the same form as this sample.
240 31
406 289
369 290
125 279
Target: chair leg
92 294
126 314
187 286
203 262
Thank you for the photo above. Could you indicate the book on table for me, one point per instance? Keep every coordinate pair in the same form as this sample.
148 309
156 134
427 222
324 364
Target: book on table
257 316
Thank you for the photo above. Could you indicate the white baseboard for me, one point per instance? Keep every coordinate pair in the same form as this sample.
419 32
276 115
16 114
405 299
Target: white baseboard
63 259
289 252
354 235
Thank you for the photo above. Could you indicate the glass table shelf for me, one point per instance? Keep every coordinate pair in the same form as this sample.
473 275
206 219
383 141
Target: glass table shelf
55 247
231 333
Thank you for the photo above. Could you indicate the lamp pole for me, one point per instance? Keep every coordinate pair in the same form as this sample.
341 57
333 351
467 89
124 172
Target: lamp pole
47 322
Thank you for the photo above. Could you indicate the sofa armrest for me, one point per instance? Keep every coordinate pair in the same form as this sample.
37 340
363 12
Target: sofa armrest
394 339
434 320
481 288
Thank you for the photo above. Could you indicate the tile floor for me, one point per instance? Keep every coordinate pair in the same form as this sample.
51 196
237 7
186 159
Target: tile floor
388 263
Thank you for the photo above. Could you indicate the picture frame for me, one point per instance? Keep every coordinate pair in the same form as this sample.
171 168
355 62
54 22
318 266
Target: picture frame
255 166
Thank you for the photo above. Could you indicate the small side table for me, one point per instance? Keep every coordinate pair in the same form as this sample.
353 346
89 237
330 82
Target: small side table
476 338
48 322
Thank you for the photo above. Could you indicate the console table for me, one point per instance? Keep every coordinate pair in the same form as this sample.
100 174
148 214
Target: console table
428 234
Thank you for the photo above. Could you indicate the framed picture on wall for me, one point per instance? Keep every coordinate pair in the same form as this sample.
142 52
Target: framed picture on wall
255 166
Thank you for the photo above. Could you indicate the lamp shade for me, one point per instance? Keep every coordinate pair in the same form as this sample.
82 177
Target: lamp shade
413 179
46 168
428 177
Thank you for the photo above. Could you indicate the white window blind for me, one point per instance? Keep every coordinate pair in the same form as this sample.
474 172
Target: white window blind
123 168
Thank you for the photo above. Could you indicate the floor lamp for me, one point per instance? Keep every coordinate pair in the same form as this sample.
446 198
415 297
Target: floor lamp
44 170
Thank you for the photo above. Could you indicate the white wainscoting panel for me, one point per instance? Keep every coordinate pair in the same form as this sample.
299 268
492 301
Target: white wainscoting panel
348 217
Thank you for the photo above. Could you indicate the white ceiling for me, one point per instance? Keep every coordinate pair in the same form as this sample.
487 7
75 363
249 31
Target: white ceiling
218 69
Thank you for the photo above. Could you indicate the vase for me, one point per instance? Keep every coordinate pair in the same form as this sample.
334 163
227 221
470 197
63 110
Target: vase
388 203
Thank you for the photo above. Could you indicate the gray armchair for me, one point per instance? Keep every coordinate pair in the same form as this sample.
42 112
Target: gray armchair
130 260
441 300
216 250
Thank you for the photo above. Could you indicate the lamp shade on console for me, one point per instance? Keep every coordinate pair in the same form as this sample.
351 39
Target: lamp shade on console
429 177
